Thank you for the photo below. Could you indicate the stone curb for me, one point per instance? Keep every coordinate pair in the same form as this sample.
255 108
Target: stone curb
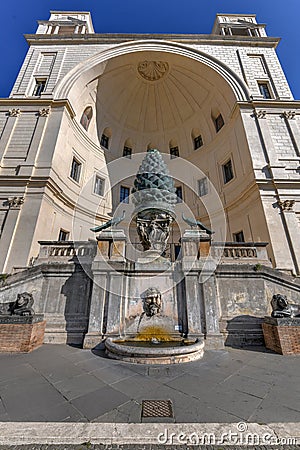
227 434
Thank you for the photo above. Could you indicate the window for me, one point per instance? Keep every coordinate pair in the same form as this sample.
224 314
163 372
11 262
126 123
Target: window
75 170
40 84
86 117
104 141
174 152
219 122
178 192
198 142
227 171
202 187
264 90
124 194
127 152
238 237
239 31
254 32
99 186
66 29
63 235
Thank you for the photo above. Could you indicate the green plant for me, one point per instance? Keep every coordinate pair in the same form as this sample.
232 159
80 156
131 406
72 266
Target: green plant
3 277
257 267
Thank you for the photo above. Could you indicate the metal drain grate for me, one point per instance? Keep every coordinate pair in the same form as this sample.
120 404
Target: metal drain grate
157 408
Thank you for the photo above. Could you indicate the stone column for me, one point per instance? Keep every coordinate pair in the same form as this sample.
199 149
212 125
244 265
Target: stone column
10 222
194 242
26 168
293 231
278 238
108 288
267 141
213 337
96 328
194 305
293 129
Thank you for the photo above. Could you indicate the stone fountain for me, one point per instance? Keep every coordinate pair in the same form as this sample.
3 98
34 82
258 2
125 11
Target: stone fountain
148 310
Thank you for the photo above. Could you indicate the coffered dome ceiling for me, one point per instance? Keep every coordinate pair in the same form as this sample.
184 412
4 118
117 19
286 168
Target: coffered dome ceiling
154 92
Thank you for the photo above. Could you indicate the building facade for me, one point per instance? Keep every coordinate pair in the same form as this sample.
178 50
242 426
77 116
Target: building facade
85 104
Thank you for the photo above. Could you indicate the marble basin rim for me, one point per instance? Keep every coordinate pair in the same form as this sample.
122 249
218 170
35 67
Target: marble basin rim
154 354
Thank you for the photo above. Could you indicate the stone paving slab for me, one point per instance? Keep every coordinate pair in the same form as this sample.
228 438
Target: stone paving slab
58 383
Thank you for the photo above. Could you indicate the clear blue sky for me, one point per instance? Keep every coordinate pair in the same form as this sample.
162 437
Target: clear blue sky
156 16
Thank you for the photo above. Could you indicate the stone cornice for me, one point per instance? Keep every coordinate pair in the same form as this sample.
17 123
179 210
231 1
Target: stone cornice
36 104
117 38
268 105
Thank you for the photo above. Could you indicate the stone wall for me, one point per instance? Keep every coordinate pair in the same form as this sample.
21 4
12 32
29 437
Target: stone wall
231 303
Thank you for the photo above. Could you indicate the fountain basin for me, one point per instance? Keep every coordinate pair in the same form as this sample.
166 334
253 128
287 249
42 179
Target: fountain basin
143 352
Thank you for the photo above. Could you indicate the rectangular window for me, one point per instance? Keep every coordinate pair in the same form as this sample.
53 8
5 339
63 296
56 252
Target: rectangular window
238 237
66 29
239 31
219 122
99 186
174 152
124 194
104 141
227 171
202 187
75 170
63 235
198 142
179 194
127 152
40 84
264 90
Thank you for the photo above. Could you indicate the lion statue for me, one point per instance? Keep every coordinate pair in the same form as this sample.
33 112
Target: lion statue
282 308
23 305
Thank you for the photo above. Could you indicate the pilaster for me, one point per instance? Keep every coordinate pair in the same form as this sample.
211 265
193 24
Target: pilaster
13 115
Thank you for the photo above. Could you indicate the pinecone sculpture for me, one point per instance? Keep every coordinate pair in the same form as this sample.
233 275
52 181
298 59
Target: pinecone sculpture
153 186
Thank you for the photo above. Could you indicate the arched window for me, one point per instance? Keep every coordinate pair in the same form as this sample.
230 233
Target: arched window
174 149
151 146
197 138
86 117
106 135
127 149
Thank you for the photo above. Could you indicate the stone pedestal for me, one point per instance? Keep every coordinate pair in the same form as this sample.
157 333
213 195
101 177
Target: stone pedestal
21 333
108 283
111 244
282 335
195 244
